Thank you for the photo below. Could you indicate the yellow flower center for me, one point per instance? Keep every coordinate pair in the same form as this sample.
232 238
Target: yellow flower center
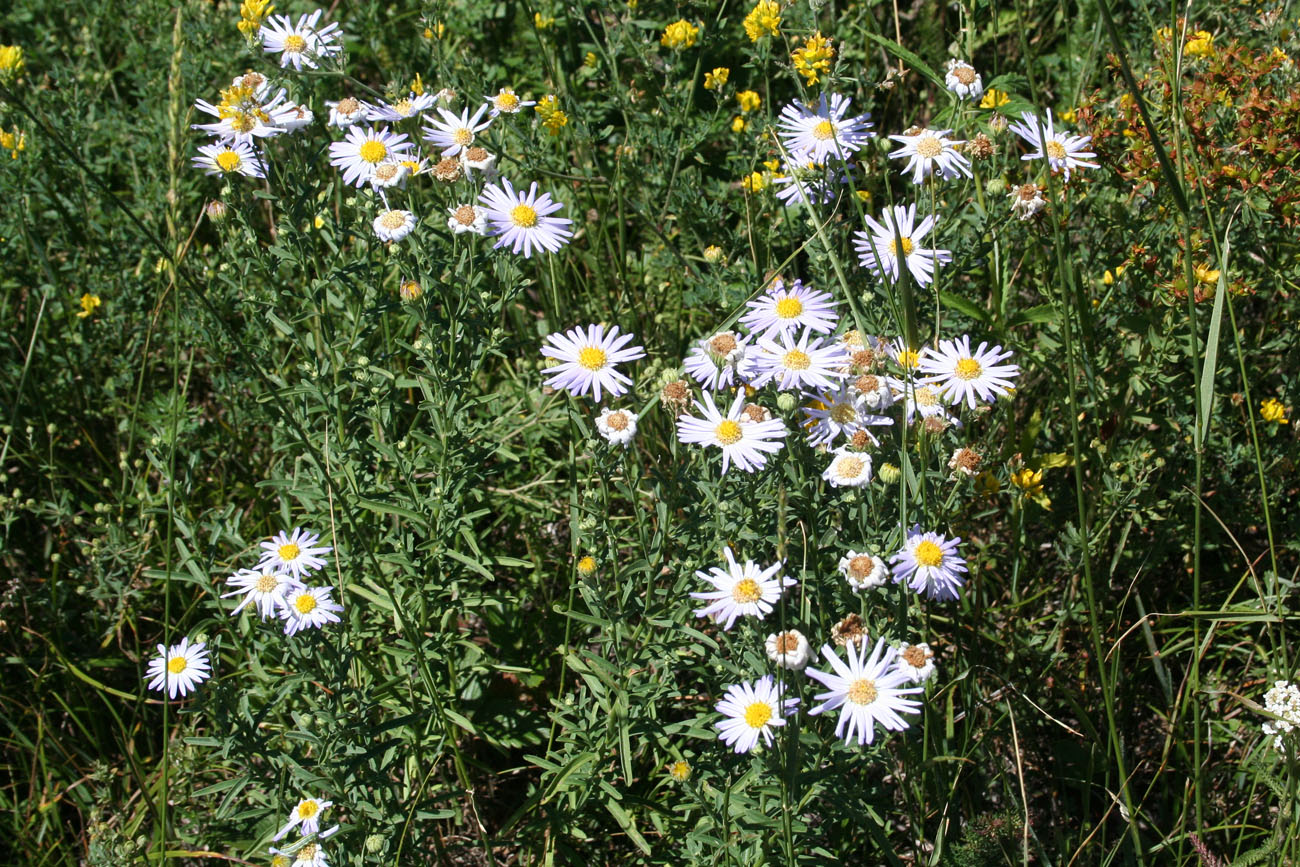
928 146
463 136
289 552
843 413
228 161
757 714
823 131
850 467
863 691
177 664
907 247
746 591
796 360
402 107
243 122
728 432
928 554
295 44
373 151
968 369
387 171
908 359
305 604
307 809
925 396
1055 150
267 582
592 357
680 771
523 216
392 220
506 101
789 308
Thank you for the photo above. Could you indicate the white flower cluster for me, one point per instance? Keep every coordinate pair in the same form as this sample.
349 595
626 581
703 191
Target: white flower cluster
305 816
1283 701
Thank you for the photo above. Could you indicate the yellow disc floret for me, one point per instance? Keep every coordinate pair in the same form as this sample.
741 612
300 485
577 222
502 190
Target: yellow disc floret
757 714
728 432
928 554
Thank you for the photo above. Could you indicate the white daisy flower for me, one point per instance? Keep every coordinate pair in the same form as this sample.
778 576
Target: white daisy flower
743 441
452 133
230 158
308 608
477 159
587 361
522 220
302 44
866 691
863 571
874 392
801 183
931 151
388 175
915 660
179 669
878 248
785 309
347 111
924 401
467 218
244 114
292 116
907 358
839 411
800 364
789 650
414 164
507 102
617 425
719 361
963 80
407 106
296 553
752 710
963 375
363 150
1062 150
265 588
310 855
1026 201
306 814
394 225
930 564
818 134
741 591
848 469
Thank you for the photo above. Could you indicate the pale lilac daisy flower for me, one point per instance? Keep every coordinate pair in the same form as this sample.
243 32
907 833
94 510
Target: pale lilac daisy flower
407 106
841 410
305 816
743 441
930 151
741 591
785 309
1062 150
179 669
523 221
866 690
817 134
752 710
587 361
363 150
848 469
265 588
878 248
719 361
308 608
295 553
452 133
800 364
303 44
230 158
930 564
963 375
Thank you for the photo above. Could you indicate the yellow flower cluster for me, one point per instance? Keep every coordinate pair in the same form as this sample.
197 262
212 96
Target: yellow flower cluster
11 62
994 98
748 101
251 15
715 79
543 22
14 142
1272 410
813 58
678 35
1200 45
548 108
88 305
763 20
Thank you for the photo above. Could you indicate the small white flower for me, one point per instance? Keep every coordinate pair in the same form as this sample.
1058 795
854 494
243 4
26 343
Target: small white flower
786 309
394 225
817 134
179 669
293 116
507 102
878 248
363 150
800 364
867 692
453 134
930 564
308 608
741 591
752 710
587 361
863 571
618 426
923 401
848 469
346 112
296 553
306 813
915 660
1062 150
1026 201
1283 701
301 45
719 361
789 650
931 151
477 159
230 158
407 106
744 442
963 375
265 588
467 218
963 80
388 175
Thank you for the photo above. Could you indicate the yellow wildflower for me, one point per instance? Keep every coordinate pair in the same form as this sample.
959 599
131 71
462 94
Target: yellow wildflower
813 58
763 20
1204 274
994 98
678 35
1027 480
1272 410
543 22
11 62
1108 278
417 85
590 60
738 124
548 108
437 31
1200 45
1068 115
987 483
715 79
713 254
14 142
748 101
251 15
680 771
753 183
587 566
771 165
1164 34
88 304
410 290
